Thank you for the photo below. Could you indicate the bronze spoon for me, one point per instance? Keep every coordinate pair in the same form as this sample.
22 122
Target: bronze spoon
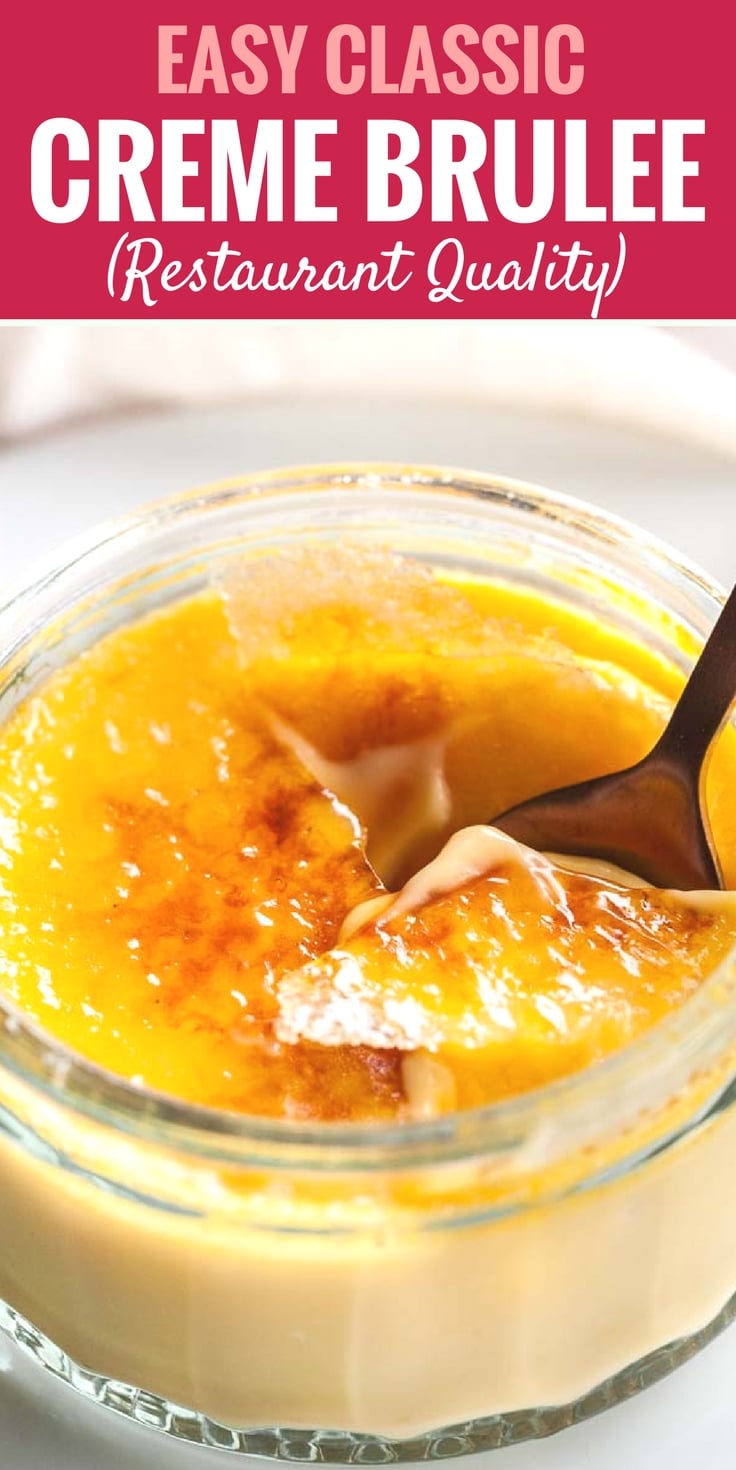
649 819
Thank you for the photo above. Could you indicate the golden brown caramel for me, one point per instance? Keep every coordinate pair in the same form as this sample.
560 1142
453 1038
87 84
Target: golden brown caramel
506 967
170 851
162 858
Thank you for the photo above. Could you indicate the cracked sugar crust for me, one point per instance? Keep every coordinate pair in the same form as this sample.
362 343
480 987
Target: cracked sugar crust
508 968
183 823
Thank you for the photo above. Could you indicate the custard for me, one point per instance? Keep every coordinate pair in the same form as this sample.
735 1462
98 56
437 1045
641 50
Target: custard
193 810
216 825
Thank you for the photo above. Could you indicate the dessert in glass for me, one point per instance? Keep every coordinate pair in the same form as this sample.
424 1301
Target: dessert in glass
335 1124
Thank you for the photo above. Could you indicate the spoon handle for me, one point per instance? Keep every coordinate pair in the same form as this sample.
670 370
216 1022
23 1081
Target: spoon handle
707 697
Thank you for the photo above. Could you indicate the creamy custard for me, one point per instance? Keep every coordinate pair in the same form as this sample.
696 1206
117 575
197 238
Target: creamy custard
209 821
183 831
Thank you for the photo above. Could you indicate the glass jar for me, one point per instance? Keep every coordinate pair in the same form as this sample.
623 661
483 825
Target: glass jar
355 1293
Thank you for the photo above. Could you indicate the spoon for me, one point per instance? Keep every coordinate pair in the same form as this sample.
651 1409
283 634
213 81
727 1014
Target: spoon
648 819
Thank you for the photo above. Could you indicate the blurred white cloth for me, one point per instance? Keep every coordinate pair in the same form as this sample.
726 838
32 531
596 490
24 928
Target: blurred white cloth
641 376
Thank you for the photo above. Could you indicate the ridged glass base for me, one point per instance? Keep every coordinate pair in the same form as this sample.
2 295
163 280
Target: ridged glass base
335 1447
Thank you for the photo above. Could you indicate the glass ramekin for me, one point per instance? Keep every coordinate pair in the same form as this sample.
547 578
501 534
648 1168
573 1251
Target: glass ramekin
350 1293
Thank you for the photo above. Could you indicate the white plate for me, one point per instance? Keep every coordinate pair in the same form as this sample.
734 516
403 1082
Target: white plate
56 486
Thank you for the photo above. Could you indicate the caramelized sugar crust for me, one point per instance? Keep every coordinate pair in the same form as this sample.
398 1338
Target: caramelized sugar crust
509 982
168 855
162 859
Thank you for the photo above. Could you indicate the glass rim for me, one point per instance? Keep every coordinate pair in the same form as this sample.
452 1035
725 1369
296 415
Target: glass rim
698 1030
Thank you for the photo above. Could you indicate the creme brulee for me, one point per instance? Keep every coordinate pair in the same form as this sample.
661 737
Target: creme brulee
245 863
172 854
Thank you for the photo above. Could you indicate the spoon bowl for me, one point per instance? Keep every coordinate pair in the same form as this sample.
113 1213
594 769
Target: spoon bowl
649 819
